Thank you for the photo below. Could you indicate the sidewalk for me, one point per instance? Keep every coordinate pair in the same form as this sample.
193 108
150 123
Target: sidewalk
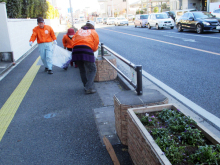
53 121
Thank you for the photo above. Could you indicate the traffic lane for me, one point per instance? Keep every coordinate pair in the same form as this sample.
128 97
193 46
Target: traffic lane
192 74
186 40
208 44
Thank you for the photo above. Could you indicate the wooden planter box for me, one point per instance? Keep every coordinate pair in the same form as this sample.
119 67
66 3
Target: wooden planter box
141 145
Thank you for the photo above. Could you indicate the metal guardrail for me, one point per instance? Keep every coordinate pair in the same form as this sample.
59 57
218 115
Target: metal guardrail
137 68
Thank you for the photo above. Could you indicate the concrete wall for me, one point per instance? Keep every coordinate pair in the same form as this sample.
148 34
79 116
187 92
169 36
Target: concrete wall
15 33
5 44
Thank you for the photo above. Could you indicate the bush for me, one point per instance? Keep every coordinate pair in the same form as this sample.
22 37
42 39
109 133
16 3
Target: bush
30 9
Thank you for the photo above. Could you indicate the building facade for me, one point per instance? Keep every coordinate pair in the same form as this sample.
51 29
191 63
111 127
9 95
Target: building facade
113 8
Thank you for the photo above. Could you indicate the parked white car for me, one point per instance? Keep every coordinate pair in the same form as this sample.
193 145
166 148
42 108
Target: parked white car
141 20
216 12
98 20
160 20
121 21
131 17
110 21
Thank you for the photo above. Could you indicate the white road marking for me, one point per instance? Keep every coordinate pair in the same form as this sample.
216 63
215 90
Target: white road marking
184 39
193 35
187 47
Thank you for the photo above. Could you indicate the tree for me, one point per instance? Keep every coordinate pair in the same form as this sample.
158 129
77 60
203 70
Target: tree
26 8
13 8
163 6
156 10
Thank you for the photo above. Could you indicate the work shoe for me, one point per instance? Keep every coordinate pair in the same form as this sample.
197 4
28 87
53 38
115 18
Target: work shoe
46 69
90 91
50 72
65 68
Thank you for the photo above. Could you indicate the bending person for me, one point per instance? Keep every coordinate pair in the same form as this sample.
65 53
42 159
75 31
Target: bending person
86 42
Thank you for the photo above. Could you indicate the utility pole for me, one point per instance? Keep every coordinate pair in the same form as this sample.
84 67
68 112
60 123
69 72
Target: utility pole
112 9
71 13
127 9
208 4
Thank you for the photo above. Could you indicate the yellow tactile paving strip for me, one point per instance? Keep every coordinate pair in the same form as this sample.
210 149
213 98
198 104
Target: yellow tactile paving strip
10 107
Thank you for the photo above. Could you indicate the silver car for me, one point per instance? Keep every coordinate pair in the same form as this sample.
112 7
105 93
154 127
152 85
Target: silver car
121 21
110 21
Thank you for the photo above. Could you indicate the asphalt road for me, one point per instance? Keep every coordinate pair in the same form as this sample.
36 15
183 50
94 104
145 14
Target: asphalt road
185 61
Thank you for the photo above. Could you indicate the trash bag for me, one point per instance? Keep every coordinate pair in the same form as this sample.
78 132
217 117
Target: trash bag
61 57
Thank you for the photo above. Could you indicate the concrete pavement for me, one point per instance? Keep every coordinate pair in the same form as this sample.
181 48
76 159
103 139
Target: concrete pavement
48 119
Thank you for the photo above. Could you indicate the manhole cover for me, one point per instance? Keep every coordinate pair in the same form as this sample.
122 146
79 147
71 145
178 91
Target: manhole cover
50 115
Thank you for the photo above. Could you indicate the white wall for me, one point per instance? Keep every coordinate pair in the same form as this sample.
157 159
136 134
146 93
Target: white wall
184 4
15 33
214 6
5 44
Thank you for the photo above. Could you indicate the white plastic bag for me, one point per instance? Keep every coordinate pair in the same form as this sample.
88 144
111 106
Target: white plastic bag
61 56
96 54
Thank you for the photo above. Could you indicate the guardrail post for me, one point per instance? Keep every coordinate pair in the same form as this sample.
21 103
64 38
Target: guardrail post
102 50
139 79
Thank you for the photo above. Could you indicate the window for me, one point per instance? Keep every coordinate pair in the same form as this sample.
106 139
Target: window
179 13
190 15
161 16
144 16
185 15
216 11
202 15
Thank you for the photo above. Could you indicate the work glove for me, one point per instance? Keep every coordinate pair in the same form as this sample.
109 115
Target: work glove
55 42
30 43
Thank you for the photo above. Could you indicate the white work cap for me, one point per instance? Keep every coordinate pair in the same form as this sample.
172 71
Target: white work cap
91 22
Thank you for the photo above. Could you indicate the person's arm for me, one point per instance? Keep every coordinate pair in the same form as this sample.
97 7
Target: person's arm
52 34
95 40
33 36
64 42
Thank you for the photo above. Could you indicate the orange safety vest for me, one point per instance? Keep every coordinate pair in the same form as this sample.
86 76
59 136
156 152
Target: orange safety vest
86 37
45 34
67 42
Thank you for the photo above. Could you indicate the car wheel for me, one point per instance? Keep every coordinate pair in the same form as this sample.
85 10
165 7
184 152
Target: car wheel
141 25
171 27
219 31
149 26
135 25
179 27
157 27
127 24
199 28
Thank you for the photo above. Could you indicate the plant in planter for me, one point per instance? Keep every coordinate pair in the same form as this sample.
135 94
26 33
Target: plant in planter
179 138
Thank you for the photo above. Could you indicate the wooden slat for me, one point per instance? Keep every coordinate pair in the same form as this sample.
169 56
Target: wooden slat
111 151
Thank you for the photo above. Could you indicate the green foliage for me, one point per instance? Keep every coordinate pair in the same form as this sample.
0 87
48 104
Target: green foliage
51 12
139 11
175 154
192 137
156 10
148 120
30 9
164 6
159 133
208 154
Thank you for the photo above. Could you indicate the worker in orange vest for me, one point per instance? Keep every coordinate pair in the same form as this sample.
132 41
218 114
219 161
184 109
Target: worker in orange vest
45 36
